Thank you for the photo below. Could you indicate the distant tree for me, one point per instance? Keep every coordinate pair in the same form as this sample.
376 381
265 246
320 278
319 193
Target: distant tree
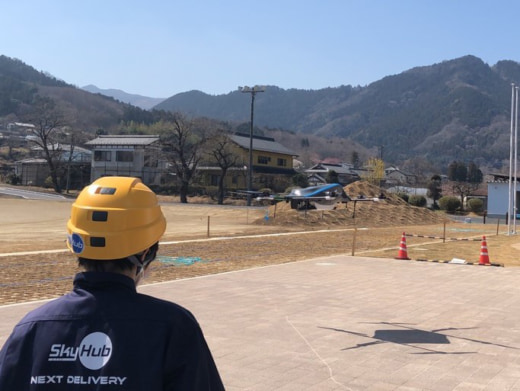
220 149
354 159
332 177
71 139
435 189
464 189
420 167
182 143
48 121
457 171
138 115
376 171
464 180
11 144
474 173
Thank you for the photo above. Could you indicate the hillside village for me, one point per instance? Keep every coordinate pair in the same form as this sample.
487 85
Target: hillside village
323 132
140 155
274 166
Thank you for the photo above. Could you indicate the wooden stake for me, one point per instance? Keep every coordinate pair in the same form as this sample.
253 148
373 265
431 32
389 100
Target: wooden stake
354 241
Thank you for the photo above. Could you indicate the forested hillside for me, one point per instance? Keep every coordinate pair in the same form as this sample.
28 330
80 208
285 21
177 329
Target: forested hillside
20 84
457 109
454 109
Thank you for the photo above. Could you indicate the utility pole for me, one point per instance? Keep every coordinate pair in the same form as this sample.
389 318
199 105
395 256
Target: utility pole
511 207
252 91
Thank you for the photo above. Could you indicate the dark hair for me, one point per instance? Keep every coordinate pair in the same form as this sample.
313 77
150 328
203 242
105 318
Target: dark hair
94 265
117 265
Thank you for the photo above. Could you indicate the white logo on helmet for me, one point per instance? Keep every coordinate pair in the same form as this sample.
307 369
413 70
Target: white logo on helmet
76 243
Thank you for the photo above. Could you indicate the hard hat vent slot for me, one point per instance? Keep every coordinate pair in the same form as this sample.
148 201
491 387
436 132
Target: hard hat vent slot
97 242
98 215
106 190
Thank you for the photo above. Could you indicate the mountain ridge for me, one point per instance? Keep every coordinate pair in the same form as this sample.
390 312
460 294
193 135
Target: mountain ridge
144 102
462 104
455 109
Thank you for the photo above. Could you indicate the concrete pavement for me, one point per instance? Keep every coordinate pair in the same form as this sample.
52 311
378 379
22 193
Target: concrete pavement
31 195
352 323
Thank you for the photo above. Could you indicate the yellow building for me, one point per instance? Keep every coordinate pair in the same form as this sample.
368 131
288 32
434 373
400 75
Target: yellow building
272 165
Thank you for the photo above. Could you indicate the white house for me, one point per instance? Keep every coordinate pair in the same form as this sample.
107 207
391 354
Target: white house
34 171
317 174
395 177
498 196
126 155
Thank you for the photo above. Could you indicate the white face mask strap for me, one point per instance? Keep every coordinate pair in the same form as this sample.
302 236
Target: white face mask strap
139 275
140 263
140 266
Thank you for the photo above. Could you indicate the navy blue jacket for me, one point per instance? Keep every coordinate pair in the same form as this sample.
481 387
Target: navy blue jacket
105 336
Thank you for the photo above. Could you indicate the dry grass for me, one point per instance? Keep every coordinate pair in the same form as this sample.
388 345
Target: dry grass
375 231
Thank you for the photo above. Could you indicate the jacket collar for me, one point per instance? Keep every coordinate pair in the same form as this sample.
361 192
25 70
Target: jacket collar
104 280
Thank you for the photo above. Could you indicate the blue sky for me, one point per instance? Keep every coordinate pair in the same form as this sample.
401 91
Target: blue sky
159 48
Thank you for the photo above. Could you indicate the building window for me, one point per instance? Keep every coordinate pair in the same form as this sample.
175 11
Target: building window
234 179
102 156
124 156
282 162
214 180
263 159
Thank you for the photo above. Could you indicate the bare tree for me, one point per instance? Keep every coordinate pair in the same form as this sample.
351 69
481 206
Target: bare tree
376 171
182 140
48 121
222 153
11 145
464 189
71 139
464 181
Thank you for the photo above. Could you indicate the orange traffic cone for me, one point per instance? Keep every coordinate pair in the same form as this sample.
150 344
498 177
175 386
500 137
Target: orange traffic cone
403 253
484 256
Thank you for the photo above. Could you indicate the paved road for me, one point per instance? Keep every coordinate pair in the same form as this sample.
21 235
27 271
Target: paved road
32 195
353 323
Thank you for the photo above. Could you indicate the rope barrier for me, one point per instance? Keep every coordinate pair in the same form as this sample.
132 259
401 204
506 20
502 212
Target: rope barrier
440 237
454 260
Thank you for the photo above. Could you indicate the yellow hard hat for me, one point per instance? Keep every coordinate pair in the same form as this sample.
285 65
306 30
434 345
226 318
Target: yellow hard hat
113 218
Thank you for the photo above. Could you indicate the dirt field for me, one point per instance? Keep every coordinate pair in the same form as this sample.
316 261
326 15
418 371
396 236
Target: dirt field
202 239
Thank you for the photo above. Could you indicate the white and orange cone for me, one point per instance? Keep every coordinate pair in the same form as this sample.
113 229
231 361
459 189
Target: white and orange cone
403 253
484 256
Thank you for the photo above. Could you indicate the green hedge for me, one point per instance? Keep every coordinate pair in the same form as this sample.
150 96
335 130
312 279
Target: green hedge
403 196
476 205
449 203
417 200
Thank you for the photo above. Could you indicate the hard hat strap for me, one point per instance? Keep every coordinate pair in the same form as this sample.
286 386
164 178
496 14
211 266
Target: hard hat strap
135 259
141 266
143 259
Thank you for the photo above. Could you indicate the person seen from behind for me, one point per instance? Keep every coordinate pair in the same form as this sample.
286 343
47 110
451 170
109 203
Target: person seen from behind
104 335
